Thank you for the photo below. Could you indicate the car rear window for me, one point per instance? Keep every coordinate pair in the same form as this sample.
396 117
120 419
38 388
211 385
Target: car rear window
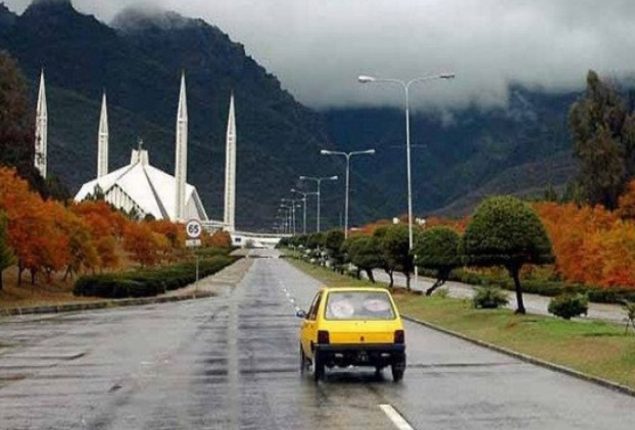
355 305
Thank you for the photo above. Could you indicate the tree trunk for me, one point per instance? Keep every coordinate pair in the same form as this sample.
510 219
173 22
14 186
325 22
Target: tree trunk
20 270
358 273
520 306
371 277
389 273
438 283
32 277
407 280
1 284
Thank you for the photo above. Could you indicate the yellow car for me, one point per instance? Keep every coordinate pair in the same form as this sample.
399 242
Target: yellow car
352 326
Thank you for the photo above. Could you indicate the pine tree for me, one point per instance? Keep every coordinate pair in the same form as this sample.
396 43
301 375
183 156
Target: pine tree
604 141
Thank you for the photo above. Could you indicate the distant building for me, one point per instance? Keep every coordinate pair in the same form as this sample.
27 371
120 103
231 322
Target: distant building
146 190
142 188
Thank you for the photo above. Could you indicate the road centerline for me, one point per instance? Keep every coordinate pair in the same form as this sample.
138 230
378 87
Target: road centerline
397 419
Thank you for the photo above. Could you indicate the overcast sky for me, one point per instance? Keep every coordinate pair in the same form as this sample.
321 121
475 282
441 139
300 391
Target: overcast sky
318 47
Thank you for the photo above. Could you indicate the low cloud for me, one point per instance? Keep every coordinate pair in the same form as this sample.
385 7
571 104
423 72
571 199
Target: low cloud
318 47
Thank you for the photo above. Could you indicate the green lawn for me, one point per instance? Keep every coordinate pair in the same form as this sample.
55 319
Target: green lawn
593 347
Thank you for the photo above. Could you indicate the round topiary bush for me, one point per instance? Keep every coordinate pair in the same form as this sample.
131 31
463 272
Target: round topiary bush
437 249
489 298
568 306
506 231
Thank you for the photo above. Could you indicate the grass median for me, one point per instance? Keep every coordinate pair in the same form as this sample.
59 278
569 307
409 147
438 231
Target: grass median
592 347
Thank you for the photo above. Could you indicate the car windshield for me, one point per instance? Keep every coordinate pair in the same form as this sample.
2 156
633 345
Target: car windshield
352 305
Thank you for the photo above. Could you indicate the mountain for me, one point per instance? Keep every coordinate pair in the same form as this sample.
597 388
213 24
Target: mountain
519 149
138 61
457 158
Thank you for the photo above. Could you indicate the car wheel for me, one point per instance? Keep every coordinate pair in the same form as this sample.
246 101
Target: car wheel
398 370
303 361
318 367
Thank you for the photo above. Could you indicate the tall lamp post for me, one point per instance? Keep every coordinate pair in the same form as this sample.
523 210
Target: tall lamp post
303 200
292 203
406 86
318 181
348 156
286 215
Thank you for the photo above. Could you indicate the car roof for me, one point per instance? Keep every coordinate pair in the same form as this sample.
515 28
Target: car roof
354 289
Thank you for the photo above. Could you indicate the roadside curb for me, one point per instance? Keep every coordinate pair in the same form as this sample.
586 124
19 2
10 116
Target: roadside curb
78 307
529 359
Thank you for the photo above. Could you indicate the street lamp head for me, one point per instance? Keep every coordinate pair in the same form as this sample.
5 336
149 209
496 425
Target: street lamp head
302 178
325 152
333 178
370 152
363 79
447 76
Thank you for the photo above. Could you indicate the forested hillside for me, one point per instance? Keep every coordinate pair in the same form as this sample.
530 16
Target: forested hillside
137 59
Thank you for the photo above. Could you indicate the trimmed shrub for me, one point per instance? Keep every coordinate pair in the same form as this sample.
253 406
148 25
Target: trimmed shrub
568 306
148 282
506 231
489 298
438 250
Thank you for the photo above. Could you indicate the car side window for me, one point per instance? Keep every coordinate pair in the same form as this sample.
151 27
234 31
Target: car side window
314 307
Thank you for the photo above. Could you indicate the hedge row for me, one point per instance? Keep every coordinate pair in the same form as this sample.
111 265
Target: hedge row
544 287
148 282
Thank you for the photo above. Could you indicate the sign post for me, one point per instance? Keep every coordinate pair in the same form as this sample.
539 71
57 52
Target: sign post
194 229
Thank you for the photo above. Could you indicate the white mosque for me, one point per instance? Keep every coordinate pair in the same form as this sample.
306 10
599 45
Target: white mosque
141 187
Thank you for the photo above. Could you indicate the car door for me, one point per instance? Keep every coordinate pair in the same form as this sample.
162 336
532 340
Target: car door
309 326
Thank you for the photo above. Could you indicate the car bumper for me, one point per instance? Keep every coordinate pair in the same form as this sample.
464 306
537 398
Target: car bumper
378 355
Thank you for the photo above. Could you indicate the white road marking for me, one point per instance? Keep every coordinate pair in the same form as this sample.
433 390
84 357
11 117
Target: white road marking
395 417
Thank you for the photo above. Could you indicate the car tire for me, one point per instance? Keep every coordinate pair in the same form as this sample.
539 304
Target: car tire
398 370
303 361
318 367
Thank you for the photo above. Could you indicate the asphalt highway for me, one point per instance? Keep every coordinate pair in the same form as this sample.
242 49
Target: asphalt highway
231 362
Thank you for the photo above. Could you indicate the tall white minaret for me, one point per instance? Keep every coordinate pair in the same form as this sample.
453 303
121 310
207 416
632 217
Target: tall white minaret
181 154
41 129
230 169
102 140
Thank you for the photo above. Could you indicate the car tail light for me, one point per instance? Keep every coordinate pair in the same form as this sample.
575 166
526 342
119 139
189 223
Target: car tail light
323 337
400 336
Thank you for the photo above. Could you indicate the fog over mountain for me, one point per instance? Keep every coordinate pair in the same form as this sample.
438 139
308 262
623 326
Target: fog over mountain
317 48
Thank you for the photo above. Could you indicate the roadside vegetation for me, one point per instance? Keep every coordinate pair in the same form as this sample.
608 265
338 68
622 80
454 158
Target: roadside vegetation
149 281
504 232
54 242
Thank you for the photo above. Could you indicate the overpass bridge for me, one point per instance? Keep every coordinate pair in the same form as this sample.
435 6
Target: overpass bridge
245 238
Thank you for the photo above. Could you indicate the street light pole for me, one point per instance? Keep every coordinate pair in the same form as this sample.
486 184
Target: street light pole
304 200
287 215
406 86
293 203
348 156
318 181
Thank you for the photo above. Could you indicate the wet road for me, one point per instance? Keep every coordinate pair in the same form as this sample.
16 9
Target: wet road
231 362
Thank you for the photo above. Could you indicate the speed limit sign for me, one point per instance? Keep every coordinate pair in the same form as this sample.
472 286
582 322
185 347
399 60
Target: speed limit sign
194 229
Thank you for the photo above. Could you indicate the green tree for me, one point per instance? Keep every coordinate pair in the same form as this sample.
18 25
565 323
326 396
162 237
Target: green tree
387 263
315 241
364 253
7 258
396 249
438 249
333 241
604 141
505 231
